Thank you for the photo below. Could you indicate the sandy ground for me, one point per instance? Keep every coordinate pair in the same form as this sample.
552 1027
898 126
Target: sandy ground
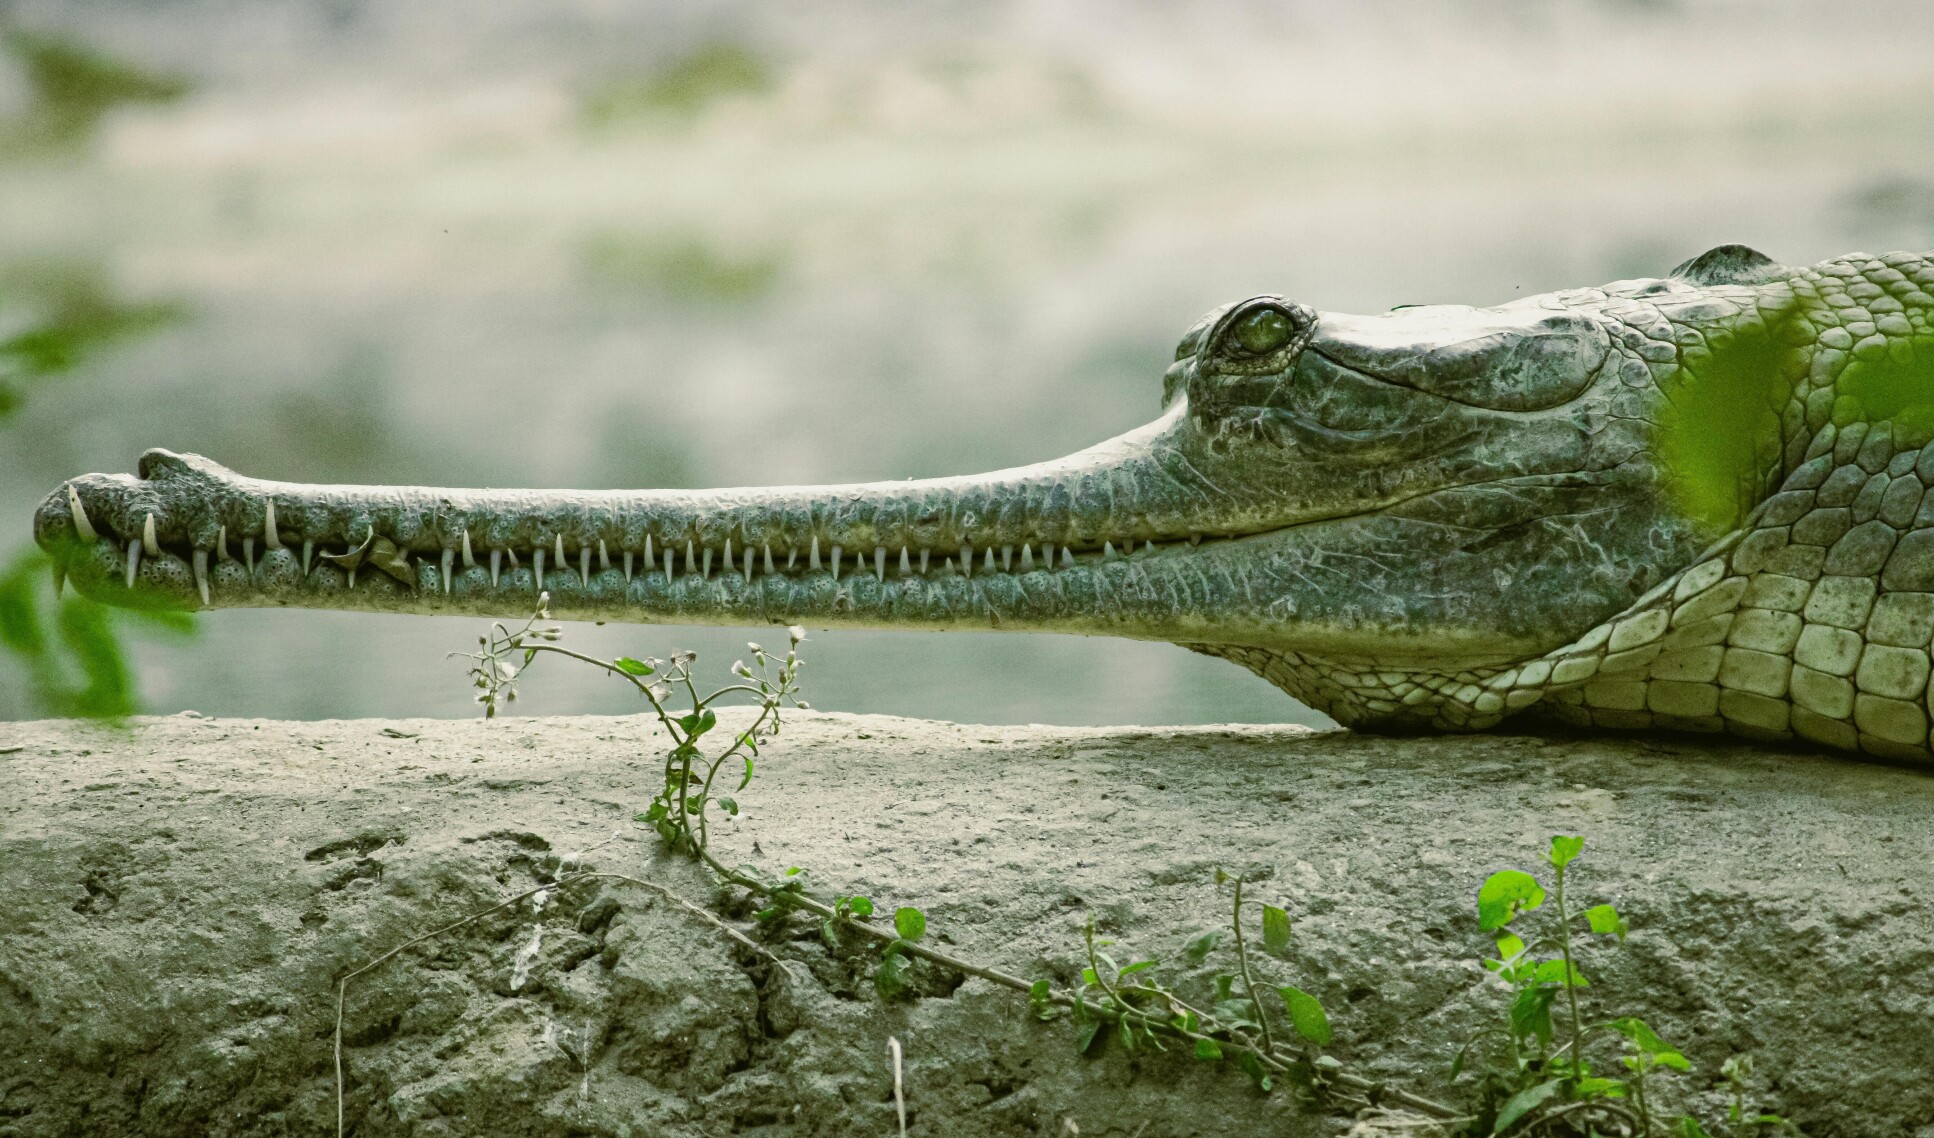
177 898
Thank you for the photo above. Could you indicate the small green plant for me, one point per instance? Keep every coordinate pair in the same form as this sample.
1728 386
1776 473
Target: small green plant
681 810
1542 1082
1236 1026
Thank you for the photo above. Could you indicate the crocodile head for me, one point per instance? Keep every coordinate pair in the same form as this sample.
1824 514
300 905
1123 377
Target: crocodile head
1360 508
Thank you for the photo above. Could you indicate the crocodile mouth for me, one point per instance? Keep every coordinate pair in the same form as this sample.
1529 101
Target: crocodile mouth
1089 543
273 556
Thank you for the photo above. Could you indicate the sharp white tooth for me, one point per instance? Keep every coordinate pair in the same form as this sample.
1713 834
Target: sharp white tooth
705 572
812 562
82 525
906 566
148 542
748 565
949 568
1007 557
584 564
134 560
879 563
989 564
923 563
768 550
248 554
792 558
691 559
649 559
308 551
836 563
1027 557
604 558
1148 547
671 574
560 551
537 566
271 537
728 553
496 565
514 563
967 559
628 567
201 573
221 545
469 559
352 577
449 563
1067 558
1108 550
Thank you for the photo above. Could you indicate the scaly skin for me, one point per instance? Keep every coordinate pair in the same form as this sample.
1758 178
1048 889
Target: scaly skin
1691 503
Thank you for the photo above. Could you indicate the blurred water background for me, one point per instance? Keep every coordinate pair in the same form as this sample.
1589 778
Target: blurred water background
607 243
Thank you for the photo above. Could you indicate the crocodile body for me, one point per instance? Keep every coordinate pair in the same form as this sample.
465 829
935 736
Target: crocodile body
1696 502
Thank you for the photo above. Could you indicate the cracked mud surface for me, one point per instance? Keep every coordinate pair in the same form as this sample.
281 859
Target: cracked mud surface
177 899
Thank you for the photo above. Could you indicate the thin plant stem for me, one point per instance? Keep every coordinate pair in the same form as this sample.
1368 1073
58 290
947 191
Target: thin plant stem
1571 989
1248 982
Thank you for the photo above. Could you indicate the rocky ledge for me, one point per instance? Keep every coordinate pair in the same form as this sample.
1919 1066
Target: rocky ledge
178 897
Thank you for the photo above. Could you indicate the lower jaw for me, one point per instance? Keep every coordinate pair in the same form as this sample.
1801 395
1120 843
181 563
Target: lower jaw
1086 598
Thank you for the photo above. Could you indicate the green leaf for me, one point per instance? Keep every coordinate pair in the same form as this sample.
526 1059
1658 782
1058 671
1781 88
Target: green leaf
1689 1127
1553 972
1275 930
1236 1013
1225 986
1599 1088
1524 1102
863 907
1208 1050
1198 950
1605 919
1258 1074
747 780
731 806
1531 1014
1138 966
1090 1038
890 980
631 667
1039 997
1307 1016
1642 1036
1564 850
1504 895
910 923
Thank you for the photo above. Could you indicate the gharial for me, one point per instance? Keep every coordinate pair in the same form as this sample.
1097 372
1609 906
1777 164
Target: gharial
1697 502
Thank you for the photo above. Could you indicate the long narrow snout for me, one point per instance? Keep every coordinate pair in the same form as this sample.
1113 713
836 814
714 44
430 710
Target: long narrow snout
1082 543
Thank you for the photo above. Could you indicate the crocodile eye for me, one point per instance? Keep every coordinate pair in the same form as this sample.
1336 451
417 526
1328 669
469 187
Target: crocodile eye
1263 331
